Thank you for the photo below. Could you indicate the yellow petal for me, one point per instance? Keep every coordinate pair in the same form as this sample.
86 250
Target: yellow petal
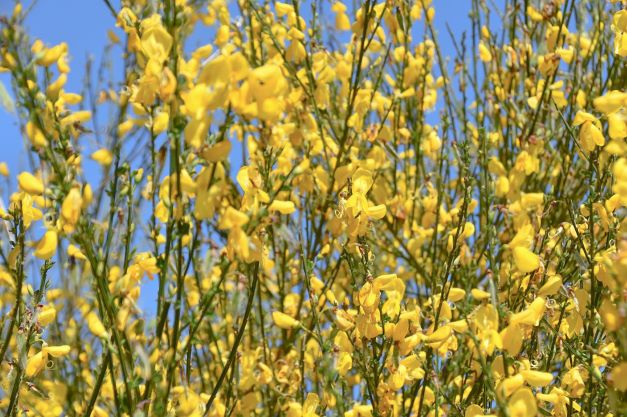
530 201
233 218
57 351
35 135
71 207
266 81
95 325
459 326
311 403
537 378
478 294
469 230
617 125
29 183
522 404
218 152
156 42
473 410
526 261
440 335
362 181
610 315
511 384
35 364
99 412
103 156
47 245
581 117
484 53
284 321
592 133
618 377
46 315
551 287
160 123
610 102
342 22
75 252
77 117
532 315
344 363
283 207
512 337
456 294
376 212
270 109
283 8
384 282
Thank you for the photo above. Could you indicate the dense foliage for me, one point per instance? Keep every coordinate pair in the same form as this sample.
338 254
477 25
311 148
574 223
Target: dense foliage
320 212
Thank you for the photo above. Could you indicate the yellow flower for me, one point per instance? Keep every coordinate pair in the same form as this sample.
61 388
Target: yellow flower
95 325
266 87
160 123
610 102
71 209
618 377
103 156
551 287
283 207
522 404
249 179
342 22
456 294
360 209
284 321
484 53
31 184
473 410
537 378
532 314
266 82
47 314
35 364
188 402
512 337
38 361
344 363
76 117
440 335
590 133
29 212
359 410
35 135
75 252
156 42
217 152
611 315
526 261
57 351
47 57
311 403
478 294
47 245
233 218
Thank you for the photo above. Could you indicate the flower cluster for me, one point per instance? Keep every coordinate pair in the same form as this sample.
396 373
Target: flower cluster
319 211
